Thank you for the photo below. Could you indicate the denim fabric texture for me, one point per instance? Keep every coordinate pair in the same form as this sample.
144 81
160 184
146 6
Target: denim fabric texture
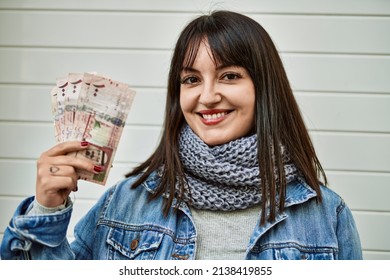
124 224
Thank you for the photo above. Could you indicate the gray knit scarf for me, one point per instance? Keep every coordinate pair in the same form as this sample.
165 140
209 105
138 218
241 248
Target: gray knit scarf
224 177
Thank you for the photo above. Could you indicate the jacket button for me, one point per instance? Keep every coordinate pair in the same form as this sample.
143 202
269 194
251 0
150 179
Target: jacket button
134 244
181 257
304 257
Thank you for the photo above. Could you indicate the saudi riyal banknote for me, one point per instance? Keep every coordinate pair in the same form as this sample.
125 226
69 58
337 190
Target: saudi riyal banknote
93 108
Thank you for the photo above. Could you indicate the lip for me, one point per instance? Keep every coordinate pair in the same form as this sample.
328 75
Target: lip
214 116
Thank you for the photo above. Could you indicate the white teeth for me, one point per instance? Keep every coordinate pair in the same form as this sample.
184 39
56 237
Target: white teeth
214 116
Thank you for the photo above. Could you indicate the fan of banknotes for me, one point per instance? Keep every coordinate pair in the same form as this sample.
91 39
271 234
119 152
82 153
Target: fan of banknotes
93 108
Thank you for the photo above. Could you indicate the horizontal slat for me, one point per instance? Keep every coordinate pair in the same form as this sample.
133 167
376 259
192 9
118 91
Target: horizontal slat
353 151
159 31
343 112
376 255
45 65
306 72
25 103
32 103
30 140
338 72
328 34
376 7
340 151
374 228
362 190
91 30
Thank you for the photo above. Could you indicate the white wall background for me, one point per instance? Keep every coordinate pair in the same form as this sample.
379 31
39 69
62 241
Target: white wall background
337 54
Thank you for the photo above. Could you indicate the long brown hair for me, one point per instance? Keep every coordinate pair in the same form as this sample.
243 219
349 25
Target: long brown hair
236 39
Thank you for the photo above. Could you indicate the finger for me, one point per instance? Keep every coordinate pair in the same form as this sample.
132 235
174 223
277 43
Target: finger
65 171
66 147
71 161
61 170
49 177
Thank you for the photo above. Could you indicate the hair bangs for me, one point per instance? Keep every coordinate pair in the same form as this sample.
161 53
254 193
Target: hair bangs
225 44
225 51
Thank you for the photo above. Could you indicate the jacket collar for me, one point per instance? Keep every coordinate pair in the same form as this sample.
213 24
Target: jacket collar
152 182
298 192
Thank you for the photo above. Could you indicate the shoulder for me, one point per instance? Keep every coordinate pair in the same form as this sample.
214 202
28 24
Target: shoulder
334 203
305 205
332 199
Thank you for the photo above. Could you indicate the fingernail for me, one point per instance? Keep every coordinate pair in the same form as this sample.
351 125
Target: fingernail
98 168
84 143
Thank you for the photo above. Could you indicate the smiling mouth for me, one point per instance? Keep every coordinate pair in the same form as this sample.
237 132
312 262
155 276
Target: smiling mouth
214 116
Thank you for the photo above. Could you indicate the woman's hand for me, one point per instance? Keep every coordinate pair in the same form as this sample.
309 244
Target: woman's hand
56 173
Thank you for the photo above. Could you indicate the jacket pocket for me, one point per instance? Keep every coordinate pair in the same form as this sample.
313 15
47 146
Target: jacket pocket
306 254
293 251
133 244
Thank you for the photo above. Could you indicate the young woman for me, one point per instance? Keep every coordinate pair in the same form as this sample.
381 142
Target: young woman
235 175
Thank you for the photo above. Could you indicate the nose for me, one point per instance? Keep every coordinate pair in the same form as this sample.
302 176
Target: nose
210 94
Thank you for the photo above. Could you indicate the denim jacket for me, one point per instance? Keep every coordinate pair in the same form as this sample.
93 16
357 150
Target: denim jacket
124 224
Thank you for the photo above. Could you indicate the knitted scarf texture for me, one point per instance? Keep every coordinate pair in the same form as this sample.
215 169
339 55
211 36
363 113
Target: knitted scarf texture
224 177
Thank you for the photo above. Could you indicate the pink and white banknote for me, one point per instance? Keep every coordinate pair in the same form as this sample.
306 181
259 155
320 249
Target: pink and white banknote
93 108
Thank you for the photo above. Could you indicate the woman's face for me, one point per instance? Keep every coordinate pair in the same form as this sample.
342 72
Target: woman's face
218 101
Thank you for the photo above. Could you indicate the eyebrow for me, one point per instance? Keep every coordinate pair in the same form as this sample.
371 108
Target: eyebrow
190 69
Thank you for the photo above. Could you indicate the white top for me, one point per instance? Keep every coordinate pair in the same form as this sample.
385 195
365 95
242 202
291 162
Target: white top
224 235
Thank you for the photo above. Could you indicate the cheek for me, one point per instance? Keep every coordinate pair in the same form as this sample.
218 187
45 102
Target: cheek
248 109
246 103
186 103
252 115
183 105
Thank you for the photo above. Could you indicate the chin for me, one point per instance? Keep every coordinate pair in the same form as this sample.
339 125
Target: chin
216 141
215 137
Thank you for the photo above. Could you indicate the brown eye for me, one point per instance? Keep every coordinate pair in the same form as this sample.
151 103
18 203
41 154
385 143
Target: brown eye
190 80
230 76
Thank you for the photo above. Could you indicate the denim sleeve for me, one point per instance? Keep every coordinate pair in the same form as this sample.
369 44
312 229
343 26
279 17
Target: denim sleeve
347 234
37 236
87 238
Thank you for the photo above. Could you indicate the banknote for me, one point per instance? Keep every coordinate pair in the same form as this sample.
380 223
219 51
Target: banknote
72 93
93 108
58 107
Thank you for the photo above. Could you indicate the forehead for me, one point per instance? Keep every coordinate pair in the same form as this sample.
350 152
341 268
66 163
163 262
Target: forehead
215 50
201 53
